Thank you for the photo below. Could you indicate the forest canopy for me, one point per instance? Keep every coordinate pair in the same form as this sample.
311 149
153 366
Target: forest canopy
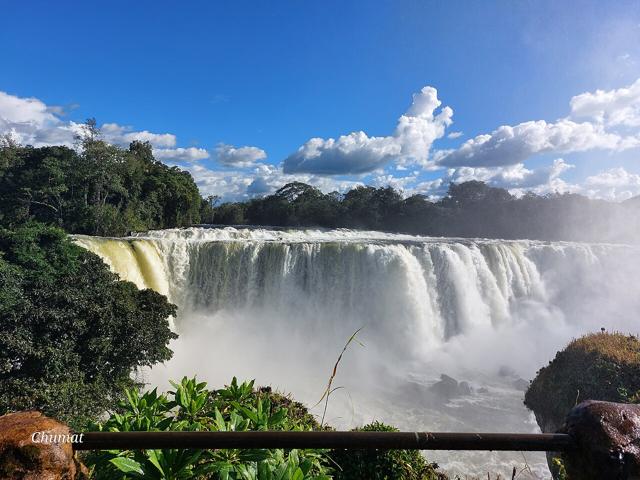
470 209
108 190
97 189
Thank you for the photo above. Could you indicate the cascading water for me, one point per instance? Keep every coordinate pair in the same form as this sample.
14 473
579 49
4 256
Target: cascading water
278 305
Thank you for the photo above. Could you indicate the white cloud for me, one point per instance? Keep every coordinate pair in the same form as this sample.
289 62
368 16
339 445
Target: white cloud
511 177
401 184
259 187
358 153
121 135
191 154
612 108
30 121
241 157
614 177
612 184
600 120
590 126
25 110
454 135
349 154
230 185
263 179
509 145
517 178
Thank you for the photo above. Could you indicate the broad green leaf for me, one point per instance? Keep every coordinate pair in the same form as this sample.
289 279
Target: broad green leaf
127 465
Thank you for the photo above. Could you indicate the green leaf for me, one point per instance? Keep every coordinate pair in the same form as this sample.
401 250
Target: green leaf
127 465
153 456
298 475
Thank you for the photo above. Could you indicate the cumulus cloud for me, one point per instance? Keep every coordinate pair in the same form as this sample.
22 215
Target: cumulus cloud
518 179
262 179
191 154
509 145
613 184
612 108
239 156
120 135
30 121
589 127
454 135
358 153
18 111
513 177
259 186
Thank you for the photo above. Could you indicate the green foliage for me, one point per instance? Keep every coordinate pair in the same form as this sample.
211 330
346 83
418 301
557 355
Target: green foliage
469 209
600 366
100 189
227 214
561 472
383 464
70 331
191 407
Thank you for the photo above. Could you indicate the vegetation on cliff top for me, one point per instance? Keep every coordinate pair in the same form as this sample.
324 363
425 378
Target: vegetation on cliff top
469 209
599 366
96 189
108 190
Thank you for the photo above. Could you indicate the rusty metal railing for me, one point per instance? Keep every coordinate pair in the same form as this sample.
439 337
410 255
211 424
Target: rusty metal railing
552 442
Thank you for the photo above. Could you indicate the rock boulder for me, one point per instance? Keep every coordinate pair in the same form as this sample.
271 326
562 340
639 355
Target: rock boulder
608 441
21 458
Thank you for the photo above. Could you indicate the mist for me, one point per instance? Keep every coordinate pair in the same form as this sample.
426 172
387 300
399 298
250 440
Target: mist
278 306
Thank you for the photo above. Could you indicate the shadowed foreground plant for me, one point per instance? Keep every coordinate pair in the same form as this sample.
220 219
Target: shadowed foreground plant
191 407
330 389
383 464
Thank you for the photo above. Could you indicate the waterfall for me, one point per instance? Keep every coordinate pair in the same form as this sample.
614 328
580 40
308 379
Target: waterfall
279 304
430 288
411 293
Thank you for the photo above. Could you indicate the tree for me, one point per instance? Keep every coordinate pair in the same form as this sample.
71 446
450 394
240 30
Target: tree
473 192
96 189
370 207
71 333
229 214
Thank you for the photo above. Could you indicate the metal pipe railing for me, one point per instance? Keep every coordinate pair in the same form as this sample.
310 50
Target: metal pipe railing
554 442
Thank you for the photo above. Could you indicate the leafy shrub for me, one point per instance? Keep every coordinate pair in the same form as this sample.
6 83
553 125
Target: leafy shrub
383 464
71 333
191 407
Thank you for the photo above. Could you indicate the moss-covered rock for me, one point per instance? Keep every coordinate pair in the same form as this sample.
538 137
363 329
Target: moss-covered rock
599 366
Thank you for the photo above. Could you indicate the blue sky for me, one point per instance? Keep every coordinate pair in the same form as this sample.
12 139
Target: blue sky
235 91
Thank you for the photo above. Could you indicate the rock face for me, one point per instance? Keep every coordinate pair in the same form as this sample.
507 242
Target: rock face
448 387
608 439
21 458
593 367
